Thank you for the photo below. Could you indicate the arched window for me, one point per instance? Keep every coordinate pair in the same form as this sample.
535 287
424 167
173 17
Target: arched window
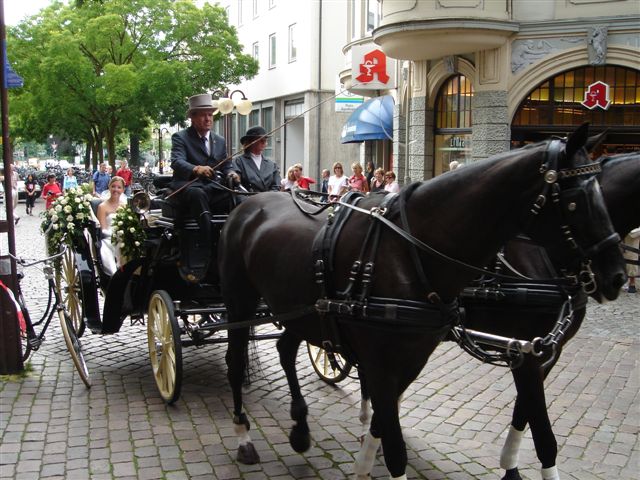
555 106
453 123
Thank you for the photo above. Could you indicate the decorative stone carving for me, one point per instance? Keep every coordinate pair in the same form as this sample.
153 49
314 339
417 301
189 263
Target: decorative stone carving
526 52
597 44
450 63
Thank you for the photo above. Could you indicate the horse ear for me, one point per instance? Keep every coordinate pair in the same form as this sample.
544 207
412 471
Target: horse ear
577 140
594 142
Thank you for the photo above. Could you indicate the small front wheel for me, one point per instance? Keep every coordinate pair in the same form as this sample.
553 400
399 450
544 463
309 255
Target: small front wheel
74 346
321 363
165 348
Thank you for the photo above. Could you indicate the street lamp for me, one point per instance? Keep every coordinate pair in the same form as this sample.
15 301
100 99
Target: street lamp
160 131
226 104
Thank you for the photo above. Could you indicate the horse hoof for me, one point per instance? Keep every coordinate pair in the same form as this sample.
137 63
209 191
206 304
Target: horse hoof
512 474
247 454
300 440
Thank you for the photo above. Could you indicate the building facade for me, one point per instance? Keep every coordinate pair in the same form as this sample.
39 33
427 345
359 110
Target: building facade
477 77
299 48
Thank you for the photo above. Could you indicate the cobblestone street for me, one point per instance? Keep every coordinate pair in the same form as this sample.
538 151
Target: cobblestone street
455 416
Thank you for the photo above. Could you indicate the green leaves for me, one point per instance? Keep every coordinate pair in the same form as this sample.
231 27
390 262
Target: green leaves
102 69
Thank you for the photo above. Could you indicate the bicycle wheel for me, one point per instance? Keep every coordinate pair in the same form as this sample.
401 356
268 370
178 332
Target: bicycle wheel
74 346
26 330
321 364
69 285
165 347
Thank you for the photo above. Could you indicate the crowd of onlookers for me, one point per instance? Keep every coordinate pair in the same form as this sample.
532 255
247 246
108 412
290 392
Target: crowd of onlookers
30 184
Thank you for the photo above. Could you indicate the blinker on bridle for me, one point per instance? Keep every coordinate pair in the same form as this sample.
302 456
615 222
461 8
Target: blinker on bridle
552 175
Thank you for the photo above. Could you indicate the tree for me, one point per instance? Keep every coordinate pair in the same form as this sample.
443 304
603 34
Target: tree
97 70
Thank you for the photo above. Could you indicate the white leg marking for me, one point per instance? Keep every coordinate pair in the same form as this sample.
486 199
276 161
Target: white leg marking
401 477
550 473
366 456
242 433
511 448
365 414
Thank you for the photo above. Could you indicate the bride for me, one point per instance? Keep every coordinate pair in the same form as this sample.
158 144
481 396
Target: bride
105 213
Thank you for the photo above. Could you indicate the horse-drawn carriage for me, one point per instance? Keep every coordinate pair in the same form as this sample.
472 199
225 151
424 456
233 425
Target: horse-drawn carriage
150 290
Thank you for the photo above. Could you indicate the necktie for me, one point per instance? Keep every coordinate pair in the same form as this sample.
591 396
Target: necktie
204 144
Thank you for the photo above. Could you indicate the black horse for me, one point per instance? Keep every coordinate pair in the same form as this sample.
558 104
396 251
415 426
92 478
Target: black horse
620 183
390 320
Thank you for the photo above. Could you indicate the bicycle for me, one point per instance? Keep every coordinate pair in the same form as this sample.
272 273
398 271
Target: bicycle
30 339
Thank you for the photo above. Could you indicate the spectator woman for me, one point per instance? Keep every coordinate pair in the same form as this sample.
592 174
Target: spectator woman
391 184
30 190
358 181
338 182
289 181
51 190
377 182
69 180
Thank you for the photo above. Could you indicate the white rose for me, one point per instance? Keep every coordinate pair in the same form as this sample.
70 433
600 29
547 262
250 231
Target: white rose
55 227
120 223
58 208
78 200
132 230
71 226
69 218
68 209
137 243
80 216
88 197
63 200
54 218
121 245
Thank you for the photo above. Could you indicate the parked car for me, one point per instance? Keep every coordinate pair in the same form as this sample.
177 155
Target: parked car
22 193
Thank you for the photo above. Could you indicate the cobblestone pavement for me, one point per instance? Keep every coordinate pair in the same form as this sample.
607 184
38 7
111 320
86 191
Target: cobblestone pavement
454 417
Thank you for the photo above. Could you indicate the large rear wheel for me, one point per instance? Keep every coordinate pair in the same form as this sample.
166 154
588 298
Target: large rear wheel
69 285
321 363
165 347
74 346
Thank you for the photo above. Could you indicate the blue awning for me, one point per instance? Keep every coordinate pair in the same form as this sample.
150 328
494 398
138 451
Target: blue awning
373 120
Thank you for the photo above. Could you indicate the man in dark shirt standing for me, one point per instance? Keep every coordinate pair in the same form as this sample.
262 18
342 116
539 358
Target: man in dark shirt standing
196 155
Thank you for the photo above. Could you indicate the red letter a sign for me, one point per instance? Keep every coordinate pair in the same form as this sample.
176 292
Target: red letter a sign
375 63
597 95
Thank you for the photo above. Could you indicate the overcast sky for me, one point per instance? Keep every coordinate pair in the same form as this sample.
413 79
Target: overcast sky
16 10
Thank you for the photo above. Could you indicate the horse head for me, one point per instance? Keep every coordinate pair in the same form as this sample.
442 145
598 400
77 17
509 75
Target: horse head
586 244
620 182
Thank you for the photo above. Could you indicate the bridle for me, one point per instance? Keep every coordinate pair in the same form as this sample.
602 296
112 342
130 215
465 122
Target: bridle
571 207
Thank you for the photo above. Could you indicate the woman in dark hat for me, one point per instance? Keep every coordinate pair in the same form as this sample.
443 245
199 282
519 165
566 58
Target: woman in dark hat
257 173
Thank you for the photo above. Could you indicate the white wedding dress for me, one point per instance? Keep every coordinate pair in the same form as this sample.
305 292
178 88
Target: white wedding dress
108 252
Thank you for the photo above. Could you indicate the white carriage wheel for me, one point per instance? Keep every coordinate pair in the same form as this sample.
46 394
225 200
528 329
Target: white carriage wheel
74 346
321 364
165 347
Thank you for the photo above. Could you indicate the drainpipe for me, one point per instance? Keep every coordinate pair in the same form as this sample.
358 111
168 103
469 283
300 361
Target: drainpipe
319 121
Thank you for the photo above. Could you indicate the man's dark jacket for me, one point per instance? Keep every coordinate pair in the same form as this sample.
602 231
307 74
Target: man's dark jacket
264 180
188 150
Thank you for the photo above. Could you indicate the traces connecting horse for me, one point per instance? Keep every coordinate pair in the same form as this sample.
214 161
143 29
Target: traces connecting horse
367 284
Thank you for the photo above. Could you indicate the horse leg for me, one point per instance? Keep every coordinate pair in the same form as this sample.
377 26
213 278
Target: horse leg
236 359
530 406
299 439
365 408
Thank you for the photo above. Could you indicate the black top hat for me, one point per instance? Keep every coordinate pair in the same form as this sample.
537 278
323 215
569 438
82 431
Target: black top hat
253 134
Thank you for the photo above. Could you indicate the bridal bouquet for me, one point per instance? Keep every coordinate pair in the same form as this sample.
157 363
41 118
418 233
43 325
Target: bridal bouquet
66 218
127 233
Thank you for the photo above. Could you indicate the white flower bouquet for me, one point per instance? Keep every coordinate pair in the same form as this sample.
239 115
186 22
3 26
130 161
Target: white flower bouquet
67 217
127 234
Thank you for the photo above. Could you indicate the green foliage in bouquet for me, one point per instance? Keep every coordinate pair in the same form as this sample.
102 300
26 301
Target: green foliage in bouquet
67 217
127 233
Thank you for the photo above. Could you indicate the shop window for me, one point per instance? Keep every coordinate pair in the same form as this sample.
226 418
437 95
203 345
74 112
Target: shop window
555 106
453 123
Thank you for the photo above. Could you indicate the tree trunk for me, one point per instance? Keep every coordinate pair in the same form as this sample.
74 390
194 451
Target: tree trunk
134 142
